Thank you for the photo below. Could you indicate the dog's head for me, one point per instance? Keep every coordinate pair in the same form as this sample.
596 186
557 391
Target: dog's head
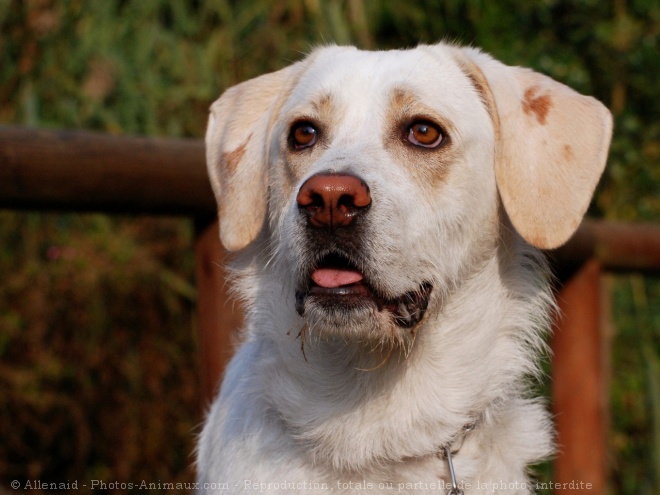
377 178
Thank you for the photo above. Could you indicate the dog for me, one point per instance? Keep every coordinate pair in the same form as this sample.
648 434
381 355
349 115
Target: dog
388 212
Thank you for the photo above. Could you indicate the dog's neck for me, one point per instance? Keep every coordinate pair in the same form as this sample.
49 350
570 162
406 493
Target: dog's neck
473 366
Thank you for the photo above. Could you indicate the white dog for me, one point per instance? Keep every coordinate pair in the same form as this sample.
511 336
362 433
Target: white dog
387 208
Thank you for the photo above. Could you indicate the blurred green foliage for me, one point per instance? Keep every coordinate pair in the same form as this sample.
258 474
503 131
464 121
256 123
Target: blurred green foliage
98 361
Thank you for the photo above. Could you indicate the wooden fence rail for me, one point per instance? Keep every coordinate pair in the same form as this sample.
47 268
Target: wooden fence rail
84 171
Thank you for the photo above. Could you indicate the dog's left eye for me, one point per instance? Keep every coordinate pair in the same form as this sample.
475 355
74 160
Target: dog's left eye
303 135
425 134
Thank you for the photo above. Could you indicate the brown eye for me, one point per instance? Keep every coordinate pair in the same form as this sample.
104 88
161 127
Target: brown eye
303 135
425 134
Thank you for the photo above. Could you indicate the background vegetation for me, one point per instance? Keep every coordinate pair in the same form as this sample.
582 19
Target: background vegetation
98 357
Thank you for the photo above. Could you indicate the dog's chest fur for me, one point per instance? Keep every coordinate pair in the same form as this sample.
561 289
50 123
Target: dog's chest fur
319 418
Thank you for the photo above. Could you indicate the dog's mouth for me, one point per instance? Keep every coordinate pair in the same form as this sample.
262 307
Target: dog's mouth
336 283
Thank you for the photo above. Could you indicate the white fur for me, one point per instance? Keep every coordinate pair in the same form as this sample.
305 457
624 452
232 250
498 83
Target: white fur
316 406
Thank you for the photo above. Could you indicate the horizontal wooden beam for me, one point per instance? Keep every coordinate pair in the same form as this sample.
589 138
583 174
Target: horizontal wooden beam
86 171
617 246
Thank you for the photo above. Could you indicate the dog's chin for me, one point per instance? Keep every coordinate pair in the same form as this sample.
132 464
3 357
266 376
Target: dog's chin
355 312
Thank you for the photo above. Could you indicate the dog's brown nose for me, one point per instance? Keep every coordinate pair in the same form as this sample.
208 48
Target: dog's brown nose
333 200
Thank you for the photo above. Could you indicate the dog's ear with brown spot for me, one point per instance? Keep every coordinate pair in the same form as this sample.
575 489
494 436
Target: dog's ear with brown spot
236 153
552 147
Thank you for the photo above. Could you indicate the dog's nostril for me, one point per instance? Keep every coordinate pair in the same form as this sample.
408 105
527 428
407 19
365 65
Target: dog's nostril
316 201
333 200
347 201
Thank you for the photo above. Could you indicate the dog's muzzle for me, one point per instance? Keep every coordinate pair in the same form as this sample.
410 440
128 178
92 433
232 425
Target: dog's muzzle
333 205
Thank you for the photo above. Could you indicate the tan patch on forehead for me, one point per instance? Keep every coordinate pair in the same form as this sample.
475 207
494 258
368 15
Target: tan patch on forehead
405 103
402 97
323 105
231 159
538 105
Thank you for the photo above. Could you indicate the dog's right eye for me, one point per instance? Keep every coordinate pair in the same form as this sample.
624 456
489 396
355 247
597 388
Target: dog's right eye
425 134
303 135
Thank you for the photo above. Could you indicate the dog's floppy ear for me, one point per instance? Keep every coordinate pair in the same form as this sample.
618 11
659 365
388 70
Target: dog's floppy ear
236 153
552 145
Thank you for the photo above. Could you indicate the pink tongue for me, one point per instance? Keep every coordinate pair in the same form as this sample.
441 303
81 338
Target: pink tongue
334 277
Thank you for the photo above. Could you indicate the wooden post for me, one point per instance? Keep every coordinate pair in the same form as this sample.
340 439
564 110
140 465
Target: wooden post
580 385
219 314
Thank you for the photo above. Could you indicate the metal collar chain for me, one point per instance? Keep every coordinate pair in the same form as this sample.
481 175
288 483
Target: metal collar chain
453 449
455 490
